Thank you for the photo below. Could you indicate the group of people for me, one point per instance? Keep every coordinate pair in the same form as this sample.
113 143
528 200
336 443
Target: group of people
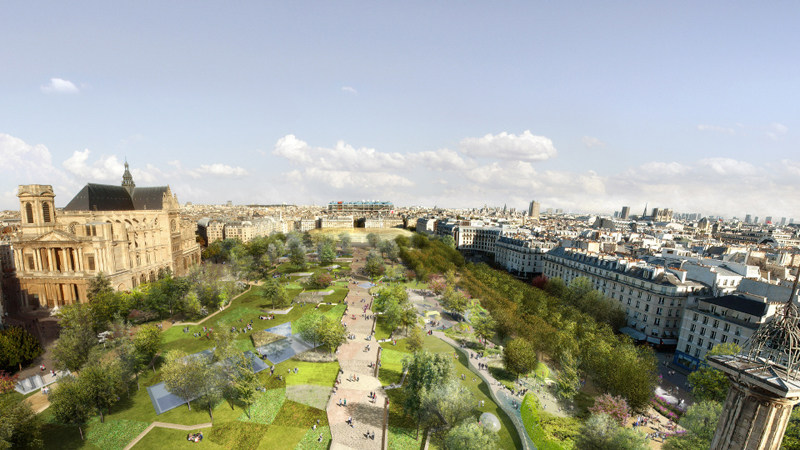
194 437
268 317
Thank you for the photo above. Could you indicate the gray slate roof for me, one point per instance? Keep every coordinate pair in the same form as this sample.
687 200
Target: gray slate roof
104 197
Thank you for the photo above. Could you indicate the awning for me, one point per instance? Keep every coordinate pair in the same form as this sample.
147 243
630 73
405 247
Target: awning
637 335
670 341
653 340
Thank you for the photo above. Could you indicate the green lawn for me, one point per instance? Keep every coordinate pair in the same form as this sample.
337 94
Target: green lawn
320 374
391 366
404 439
160 438
382 331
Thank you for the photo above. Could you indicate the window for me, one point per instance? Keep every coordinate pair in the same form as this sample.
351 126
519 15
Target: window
694 327
669 313
710 345
90 262
620 299
31 263
695 317
705 320
702 331
636 315
646 308
29 212
697 353
638 303
644 318
738 331
661 300
724 338
716 323
700 342
736 341
713 335
660 311
656 321
46 212
727 327
688 348
691 338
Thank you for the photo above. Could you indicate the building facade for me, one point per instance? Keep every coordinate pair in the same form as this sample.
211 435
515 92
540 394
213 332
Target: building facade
652 297
718 320
129 234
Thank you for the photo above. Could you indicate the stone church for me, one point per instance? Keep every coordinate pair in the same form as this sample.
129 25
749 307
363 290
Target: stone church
129 233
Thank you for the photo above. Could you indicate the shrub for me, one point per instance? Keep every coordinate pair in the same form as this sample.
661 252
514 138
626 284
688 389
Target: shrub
320 280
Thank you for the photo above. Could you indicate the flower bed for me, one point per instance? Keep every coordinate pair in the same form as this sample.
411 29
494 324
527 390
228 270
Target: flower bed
666 409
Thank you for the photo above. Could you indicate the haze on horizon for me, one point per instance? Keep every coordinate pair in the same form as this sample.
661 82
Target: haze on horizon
583 106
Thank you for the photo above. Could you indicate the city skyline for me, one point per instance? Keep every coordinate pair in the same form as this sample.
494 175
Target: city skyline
583 107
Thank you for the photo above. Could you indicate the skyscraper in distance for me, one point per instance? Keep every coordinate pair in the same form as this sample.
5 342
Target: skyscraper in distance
533 210
626 211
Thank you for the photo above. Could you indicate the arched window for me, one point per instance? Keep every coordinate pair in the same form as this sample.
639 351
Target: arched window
29 212
46 212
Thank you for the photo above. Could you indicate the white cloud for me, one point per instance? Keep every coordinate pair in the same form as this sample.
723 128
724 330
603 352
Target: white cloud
340 179
341 157
590 142
107 168
349 90
775 130
16 155
443 159
717 129
59 86
727 166
222 170
525 147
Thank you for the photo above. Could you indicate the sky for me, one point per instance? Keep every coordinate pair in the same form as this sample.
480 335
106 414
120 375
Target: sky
583 106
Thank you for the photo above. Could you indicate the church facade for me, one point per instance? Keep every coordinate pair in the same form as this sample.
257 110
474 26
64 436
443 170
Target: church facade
130 234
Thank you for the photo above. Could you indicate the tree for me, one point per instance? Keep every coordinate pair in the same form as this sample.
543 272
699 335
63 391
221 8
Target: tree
449 241
373 240
470 435
615 407
77 338
602 432
345 242
402 241
446 404
709 383
182 375
246 384
483 324
320 279
97 286
387 295
568 382
326 253
700 422
101 383
415 339
309 326
437 284
20 427
374 265
7 382
519 357
419 240
17 346
274 251
332 333
454 301
389 249
423 371
69 403
297 252
210 387
147 342
273 291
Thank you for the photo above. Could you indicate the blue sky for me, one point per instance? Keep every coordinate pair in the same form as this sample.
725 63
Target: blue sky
585 106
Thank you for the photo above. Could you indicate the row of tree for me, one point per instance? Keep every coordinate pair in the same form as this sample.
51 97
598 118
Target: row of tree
560 327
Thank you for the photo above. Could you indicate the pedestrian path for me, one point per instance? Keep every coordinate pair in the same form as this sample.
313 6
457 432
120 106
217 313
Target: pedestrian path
498 391
173 426
352 426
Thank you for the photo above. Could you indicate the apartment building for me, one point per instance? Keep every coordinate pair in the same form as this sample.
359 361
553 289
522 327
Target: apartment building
717 320
652 297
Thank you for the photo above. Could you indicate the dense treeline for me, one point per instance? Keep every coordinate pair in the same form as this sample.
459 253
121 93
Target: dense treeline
573 322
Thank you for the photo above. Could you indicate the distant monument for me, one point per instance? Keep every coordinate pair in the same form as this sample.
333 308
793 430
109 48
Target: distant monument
765 384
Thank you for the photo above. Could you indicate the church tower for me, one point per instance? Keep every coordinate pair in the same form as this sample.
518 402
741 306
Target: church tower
37 209
127 180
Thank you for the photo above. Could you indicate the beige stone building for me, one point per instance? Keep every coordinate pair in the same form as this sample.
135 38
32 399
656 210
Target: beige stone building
129 234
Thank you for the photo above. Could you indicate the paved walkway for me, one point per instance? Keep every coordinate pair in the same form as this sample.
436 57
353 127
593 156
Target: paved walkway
173 426
358 379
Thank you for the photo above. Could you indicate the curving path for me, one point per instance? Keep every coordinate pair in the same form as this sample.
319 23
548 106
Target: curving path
174 426
354 360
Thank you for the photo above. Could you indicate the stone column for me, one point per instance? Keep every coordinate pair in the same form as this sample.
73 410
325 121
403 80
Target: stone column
752 419
80 259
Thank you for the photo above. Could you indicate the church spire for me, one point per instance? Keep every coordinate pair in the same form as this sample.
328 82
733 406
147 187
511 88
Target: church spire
127 179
